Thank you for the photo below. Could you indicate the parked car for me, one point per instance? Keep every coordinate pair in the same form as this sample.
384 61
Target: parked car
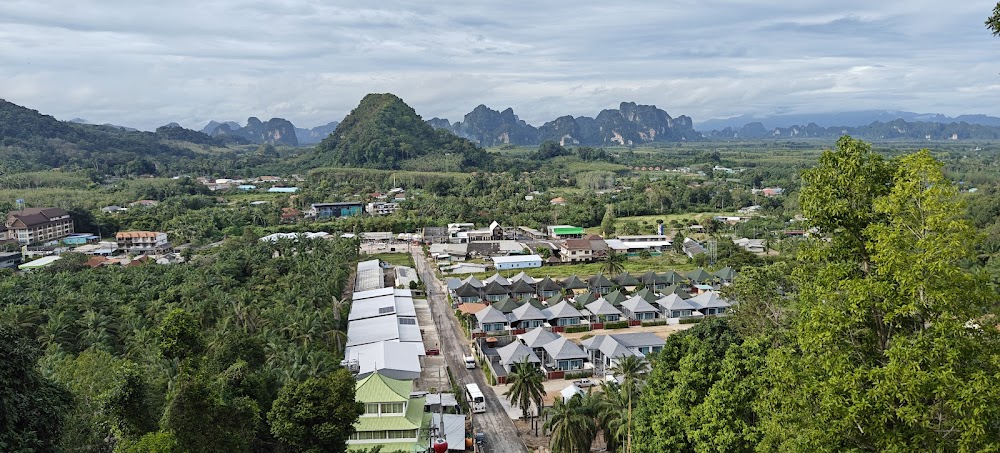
584 383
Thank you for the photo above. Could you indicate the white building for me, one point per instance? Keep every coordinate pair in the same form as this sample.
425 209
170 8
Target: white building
142 241
517 262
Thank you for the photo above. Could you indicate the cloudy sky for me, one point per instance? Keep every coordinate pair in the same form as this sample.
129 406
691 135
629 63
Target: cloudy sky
142 63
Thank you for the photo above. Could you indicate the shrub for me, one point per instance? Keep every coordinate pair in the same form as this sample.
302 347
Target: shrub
690 320
574 329
577 374
589 335
616 325
658 322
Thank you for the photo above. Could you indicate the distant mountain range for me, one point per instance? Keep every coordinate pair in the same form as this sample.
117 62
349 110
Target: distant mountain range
630 124
849 119
277 131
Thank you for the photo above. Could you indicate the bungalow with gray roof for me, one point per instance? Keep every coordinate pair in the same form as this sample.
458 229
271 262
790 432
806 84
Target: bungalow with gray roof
600 284
516 352
710 303
547 288
494 291
602 311
564 355
526 316
563 314
536 339
674 307
576 285
636 308
491 320
468 294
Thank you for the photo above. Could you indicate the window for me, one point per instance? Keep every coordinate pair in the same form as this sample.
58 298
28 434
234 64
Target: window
386 310
392 408
407 322
371 409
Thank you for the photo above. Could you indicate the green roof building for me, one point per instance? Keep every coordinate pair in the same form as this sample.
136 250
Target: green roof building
392 418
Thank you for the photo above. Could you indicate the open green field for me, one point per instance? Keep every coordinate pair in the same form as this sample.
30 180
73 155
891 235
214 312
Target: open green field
395 259
647 223
635 266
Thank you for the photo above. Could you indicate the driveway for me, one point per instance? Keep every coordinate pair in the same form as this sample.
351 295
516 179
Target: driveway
501 435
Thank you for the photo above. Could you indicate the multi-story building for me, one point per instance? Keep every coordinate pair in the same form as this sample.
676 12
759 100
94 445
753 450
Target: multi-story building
142 241
381 208
37 225
334 210
393 418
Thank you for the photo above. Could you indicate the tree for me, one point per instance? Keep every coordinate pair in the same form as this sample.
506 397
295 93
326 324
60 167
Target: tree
544 252
677 242
526 387
633 370
993 22
884 356
572 428
608 222
613 263
204 418
317 415
180 336
32 407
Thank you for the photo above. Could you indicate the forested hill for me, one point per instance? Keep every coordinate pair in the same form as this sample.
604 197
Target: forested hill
383 131
30 140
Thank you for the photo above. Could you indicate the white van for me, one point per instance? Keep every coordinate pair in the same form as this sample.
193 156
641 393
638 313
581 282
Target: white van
470 362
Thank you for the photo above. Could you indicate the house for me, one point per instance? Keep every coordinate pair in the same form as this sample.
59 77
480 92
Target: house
522 290
576 251
491 320
525 277
536 339
602 311
514 353
10 260
575 285
136 242
81 239
277 189
494 291
290 215
692 247
381 208
563 355
604 351
710 303
112 209
626 281
558 201
492 233
506 305
474 282
673 278
725 275
517 262
700 276
586 298
467 294
37 225
560 232
616 297
654 281
647 294
527 316
636 308
393 419
597 244
334 210
674 307
496 277
563 314
547 288
751 245
600 284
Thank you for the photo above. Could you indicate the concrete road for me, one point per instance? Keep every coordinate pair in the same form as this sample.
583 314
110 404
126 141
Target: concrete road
501 435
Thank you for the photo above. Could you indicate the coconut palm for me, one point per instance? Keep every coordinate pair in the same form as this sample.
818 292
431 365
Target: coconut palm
633 370
572 429
611 416
526 386
614 263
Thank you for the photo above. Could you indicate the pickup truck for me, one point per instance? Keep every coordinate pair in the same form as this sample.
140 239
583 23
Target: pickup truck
584 383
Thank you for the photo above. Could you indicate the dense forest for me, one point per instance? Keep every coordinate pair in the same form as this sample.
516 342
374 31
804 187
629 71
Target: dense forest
194 356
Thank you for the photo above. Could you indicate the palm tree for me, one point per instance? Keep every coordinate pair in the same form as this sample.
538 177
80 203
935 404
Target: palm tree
572 428
633 370
526 386
611 415
614 263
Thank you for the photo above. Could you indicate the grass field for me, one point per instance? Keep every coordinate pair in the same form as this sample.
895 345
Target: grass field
647 223
396 259
635 266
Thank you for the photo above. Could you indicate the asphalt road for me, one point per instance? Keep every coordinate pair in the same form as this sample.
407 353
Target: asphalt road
501 435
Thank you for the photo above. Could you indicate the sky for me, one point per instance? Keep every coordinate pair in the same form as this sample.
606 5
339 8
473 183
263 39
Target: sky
144 63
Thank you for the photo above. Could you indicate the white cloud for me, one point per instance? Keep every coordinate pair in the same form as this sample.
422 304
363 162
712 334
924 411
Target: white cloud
144 64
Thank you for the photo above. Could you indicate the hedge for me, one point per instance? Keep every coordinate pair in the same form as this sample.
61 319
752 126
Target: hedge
574 329
659 322
616 325
690 320
578 374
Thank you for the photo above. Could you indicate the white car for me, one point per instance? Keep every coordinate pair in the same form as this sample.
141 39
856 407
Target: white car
584 383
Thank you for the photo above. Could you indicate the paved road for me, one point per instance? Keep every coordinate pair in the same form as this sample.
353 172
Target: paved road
501 435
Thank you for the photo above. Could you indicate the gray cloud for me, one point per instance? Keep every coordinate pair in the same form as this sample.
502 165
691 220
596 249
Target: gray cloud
144 65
